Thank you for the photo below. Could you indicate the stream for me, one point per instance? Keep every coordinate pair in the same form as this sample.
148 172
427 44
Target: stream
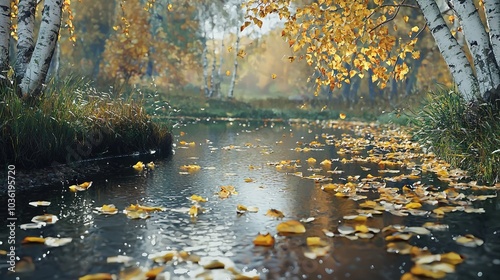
267 163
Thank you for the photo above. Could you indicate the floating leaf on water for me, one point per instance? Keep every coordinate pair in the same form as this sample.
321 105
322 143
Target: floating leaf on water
469 240
153 272
330 187
190 168
399 236
32 225
307 220
226 191
326 163
311 160
435 270
81 187
107 209
364 235
434 226
350 237
193 211
136 207
98 276
248 180
264 240
317 251
197 198
417 212
151 165
137 214
424 259
452 258
346 230
139 166
399 247
361 228
418 230
39 203
119 259
357 218
328 233
291 226
163 257
33 239
275 213
216 262
413 205
45 218
315 241
474 210
57 242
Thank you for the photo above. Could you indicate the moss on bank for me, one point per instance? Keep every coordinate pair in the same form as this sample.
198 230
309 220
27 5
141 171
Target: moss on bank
465 135
71 122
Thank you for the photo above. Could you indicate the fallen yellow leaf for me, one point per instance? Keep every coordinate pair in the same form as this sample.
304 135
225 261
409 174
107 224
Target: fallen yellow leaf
264 240
291 226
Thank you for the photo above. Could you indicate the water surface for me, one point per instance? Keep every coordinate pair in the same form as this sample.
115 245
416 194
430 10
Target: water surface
229 153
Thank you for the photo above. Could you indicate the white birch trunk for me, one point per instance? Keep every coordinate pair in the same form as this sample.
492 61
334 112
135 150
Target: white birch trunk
487 72
204 64
455 58
230 94
492 10
26 36
38 66
219 74
4 35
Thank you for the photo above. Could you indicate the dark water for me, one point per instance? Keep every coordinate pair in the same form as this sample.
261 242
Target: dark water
225 151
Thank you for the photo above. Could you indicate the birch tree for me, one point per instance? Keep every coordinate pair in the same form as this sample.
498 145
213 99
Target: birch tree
331 32
33 57
4 35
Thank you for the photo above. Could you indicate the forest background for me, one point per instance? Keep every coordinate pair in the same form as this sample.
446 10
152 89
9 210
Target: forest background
196 48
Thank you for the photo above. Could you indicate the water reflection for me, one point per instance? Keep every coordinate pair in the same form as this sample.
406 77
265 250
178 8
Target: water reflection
228 153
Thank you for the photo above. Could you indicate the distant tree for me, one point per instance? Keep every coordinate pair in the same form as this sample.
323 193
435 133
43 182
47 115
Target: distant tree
332 32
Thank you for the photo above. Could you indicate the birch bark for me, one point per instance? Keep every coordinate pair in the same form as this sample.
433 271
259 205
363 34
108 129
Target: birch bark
38 66
478 41
492 10
230 94
4 34
26 36
455 58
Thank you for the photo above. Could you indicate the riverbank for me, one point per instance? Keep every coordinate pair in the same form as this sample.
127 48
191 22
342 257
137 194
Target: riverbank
72 121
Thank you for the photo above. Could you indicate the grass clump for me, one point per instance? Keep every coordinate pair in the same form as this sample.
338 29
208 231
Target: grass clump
71 122
467 135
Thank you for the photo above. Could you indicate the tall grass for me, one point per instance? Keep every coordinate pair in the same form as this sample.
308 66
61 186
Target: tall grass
72 121
467 135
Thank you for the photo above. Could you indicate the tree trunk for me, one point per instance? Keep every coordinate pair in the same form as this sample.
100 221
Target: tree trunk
38 66
455 58
205 67
230 94
219 74
4 35
26 34
492 10
487 72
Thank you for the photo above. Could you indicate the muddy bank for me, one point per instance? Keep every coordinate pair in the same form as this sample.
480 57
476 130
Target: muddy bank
75 172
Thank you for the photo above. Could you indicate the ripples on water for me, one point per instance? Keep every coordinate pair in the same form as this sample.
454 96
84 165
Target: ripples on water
220 231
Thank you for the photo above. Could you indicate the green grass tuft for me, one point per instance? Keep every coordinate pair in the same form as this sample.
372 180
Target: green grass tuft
72 121
465 135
